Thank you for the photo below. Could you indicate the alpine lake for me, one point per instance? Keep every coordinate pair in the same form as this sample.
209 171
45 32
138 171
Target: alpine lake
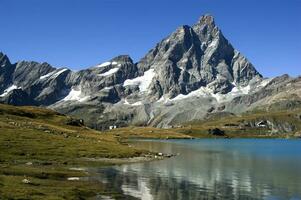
211 169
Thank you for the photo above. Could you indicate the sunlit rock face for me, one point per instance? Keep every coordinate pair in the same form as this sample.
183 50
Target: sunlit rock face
190 74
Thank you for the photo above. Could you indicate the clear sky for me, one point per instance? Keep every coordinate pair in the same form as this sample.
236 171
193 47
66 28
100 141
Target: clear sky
82 33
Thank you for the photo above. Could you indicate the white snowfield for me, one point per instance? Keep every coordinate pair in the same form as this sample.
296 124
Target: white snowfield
265 82
53 74
213 43
75 95
138 103
142 81
47 75
107 88
58 73
105 64
110 72
207 92
9 89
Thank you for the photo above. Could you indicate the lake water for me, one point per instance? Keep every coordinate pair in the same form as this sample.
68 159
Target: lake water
212 169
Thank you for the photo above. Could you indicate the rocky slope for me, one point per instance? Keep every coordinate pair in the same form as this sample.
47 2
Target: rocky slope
191 74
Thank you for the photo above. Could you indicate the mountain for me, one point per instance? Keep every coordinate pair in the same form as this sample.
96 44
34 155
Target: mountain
192 74
196 56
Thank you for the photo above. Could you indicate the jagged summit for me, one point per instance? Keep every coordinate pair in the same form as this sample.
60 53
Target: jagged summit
207 19
122 58
206 28
4 60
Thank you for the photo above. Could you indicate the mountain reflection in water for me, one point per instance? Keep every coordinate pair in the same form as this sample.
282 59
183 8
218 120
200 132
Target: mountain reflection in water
212 169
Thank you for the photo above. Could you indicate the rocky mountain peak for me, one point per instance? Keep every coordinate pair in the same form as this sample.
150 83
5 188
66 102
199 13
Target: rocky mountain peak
194 57
206 28
122 59
4 60
207 19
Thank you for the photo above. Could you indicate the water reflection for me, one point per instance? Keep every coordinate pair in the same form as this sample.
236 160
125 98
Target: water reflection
212 169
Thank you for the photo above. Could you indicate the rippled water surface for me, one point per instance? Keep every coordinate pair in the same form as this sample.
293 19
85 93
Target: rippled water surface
212 169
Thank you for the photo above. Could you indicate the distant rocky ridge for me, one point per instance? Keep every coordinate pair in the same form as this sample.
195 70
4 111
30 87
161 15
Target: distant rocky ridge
191 74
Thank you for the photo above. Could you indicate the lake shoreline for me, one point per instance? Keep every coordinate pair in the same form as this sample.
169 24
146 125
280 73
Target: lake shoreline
118 161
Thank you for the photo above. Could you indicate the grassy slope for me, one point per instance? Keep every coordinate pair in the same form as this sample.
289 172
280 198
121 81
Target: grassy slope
199 129
40 136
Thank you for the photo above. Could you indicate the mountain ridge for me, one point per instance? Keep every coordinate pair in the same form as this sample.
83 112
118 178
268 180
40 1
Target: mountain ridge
190 74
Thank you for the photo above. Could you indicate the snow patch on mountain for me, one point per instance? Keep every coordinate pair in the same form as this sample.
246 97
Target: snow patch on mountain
207 92
265 82
105 64
76 95
9 89
107 88
138 103
47 75
110 72
202 91
58 73
142 81
53 74
213 43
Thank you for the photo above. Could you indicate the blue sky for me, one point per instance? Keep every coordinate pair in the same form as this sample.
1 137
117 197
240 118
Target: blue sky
82 33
